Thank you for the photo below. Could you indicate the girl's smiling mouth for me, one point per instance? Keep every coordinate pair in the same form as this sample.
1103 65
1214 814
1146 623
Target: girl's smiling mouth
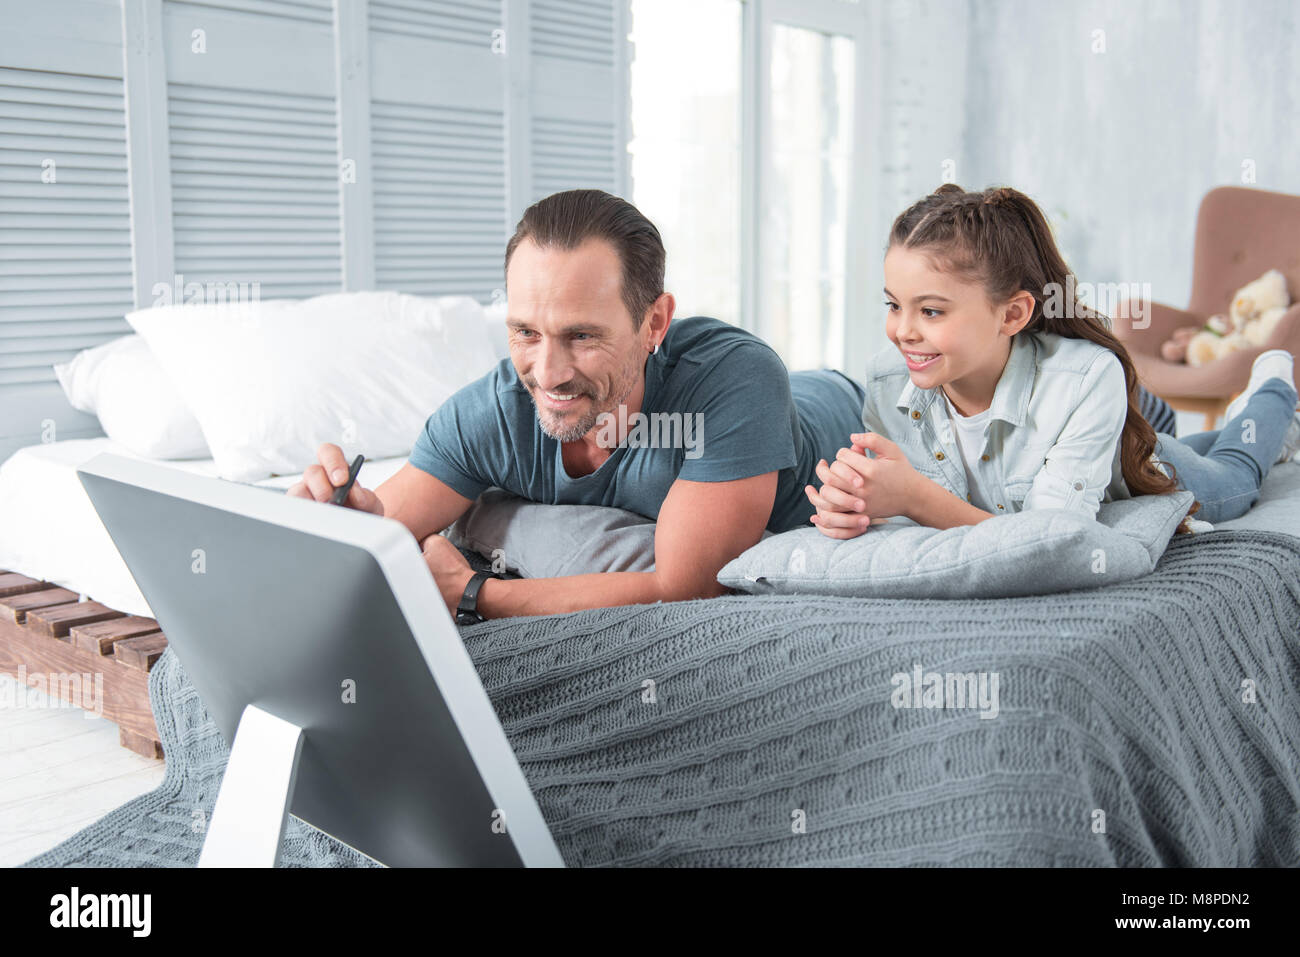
920 360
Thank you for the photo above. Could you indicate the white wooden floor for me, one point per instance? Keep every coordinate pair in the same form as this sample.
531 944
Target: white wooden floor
59 772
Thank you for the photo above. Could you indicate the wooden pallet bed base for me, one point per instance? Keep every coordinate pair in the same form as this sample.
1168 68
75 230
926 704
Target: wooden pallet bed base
47 630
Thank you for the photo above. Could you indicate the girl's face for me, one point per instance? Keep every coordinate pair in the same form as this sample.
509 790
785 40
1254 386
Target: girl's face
945 326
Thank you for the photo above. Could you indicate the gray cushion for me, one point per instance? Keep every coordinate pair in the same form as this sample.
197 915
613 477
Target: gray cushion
548 541
1037 552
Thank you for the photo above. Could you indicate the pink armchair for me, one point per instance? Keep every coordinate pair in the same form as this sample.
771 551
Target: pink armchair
1240 234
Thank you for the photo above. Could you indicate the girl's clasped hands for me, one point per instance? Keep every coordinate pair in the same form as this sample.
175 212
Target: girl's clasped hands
857 490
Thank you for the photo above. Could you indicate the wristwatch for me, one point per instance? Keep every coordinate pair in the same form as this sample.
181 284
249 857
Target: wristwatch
467 609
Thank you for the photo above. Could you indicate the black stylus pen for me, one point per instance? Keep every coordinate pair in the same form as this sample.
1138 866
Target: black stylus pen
341 493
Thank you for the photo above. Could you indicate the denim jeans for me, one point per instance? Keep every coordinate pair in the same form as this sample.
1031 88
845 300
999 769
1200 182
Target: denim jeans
1224 468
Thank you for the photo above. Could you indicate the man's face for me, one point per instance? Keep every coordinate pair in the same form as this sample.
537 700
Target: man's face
572 340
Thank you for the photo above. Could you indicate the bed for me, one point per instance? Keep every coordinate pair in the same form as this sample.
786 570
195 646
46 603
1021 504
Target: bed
1154 722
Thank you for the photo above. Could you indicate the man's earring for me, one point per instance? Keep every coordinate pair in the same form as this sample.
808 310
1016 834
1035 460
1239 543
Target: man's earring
655 349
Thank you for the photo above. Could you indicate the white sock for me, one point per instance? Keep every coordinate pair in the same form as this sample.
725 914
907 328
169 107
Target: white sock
1273 364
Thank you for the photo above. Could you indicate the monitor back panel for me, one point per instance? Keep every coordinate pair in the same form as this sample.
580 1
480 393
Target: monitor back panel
308 629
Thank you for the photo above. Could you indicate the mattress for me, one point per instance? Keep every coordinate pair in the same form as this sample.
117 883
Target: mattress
49 529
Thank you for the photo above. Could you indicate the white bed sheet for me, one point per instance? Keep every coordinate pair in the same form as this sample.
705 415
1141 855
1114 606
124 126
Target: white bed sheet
50 530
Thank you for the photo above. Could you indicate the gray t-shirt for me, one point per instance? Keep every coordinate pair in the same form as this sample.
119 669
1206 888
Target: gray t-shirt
724 384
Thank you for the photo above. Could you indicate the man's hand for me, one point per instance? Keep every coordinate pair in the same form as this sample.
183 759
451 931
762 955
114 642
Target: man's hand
329 473
451 573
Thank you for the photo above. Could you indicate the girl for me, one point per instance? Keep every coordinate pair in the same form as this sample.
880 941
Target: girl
1005 393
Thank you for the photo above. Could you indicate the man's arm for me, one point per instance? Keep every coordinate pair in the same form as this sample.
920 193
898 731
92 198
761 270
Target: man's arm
415 498
701 527
424 504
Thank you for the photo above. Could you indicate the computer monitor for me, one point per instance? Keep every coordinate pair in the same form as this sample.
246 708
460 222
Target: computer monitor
318 642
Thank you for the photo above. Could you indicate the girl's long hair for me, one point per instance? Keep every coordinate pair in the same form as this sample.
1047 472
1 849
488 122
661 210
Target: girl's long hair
1000 238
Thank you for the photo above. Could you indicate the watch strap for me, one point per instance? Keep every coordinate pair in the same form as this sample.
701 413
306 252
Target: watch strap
467 612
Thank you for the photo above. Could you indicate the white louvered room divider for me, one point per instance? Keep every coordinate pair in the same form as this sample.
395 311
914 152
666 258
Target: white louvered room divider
65 219
438 150
306 146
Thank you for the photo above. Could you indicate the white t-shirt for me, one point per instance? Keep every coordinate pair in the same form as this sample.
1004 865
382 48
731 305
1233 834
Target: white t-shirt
969 430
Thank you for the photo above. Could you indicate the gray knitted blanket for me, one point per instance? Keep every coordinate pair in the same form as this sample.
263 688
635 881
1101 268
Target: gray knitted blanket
1155 722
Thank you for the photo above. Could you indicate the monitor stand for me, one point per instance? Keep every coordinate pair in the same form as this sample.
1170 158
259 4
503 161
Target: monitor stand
247 826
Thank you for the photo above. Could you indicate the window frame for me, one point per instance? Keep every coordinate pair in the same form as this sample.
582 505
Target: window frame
842 18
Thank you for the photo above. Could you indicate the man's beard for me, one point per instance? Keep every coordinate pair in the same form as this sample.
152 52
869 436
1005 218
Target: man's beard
553 424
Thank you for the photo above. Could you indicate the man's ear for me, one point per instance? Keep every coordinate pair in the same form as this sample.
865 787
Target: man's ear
655 325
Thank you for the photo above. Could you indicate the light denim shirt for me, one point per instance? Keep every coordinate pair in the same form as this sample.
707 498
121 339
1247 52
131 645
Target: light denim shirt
1052 441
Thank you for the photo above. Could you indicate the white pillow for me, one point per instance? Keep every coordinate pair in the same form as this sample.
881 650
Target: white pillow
138 407
495 316
270 381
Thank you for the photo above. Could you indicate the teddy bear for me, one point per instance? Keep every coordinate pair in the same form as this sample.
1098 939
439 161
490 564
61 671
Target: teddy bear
1250 320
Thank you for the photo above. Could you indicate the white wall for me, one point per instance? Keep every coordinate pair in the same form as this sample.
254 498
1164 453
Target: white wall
1117 147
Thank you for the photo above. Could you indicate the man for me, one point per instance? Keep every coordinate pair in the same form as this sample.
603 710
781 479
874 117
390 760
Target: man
593 352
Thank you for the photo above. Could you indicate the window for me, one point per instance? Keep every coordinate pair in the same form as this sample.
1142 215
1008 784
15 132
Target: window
686 159
805 208
742 147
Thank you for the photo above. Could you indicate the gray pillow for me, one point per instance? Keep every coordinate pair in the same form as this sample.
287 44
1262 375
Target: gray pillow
548 541
1036 552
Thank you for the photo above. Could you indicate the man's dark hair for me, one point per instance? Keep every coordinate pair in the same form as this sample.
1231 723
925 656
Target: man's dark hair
566 220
